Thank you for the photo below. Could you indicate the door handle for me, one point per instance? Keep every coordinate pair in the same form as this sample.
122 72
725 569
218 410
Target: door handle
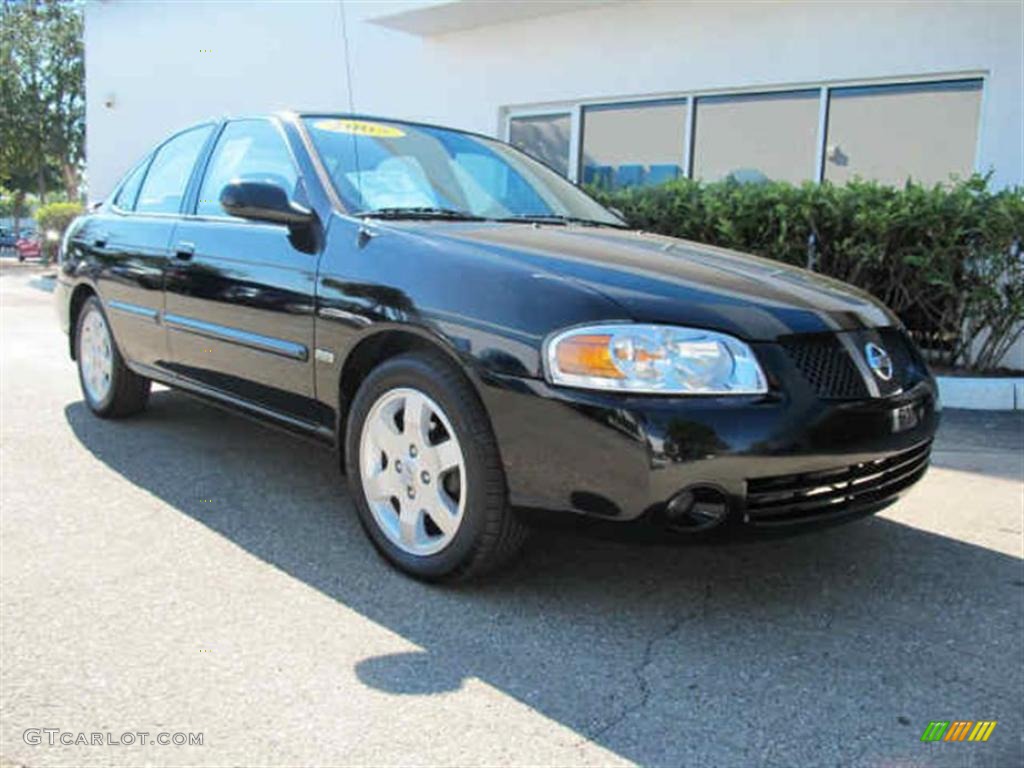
184 251
100 241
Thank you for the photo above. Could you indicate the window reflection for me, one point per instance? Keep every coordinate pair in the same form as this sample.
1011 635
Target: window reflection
757 137
633 145
545 137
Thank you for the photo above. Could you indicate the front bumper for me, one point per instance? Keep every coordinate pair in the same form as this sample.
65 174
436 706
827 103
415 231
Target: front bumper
777 460
62 304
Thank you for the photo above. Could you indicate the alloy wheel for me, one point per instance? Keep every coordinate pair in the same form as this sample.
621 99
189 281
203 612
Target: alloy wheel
96 356
413 471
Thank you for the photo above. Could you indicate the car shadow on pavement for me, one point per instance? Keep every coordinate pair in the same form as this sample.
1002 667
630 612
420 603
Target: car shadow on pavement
837 647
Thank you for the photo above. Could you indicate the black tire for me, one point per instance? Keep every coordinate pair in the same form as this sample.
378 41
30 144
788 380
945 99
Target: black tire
489 534
128 392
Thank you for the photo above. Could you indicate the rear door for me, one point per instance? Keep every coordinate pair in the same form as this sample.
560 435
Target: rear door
130 244
240 295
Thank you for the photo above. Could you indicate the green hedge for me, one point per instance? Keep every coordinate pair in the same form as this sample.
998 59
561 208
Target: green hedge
947 259
55 217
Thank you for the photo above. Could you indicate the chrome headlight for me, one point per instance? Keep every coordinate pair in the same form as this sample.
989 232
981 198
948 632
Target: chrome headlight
658 359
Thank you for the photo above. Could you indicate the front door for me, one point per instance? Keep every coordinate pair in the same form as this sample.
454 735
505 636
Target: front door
239 303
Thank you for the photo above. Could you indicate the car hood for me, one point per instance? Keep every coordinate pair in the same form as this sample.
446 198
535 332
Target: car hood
657 279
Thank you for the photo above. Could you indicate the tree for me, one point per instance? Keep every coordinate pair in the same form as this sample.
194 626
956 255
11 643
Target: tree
6 204
42 98
64 88
14 205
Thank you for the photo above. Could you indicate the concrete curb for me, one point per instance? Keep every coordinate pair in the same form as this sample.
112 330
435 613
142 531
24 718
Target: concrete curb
982 394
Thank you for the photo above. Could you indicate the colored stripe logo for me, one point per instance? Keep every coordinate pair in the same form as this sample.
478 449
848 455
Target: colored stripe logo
958 730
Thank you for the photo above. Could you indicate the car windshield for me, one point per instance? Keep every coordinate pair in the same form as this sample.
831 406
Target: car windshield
400 170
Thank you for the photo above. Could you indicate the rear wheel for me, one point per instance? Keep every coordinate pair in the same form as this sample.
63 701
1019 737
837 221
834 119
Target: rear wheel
426 474
111 389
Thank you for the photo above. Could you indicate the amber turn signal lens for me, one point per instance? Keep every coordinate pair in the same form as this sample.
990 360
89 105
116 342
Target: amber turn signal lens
587 355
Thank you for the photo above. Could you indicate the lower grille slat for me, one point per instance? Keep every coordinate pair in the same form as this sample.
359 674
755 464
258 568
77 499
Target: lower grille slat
840 495
786 486
799 498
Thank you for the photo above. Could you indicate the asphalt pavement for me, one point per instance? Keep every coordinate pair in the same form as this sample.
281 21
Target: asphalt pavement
191 572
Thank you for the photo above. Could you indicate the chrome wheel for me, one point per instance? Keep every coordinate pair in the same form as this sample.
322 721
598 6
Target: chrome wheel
95 355
413 471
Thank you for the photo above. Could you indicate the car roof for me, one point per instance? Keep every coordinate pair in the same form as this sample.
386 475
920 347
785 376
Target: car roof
287 114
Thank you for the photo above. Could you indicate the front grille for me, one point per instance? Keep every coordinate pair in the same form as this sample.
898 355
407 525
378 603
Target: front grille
791 499
827 366
906 360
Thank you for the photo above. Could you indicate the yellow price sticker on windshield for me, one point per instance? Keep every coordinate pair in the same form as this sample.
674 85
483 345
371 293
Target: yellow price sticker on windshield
360 128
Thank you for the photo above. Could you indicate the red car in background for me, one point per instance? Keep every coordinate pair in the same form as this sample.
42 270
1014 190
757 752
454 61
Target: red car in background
28 248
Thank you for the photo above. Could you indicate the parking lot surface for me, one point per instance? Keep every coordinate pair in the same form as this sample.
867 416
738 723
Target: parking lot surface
188 571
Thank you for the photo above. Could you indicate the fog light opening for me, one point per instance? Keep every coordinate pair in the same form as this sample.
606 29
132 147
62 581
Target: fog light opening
696 509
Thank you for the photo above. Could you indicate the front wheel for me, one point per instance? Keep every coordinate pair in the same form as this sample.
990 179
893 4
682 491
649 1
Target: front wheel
111 389
426 473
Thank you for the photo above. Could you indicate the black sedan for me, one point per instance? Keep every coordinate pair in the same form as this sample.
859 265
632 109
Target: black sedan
475 336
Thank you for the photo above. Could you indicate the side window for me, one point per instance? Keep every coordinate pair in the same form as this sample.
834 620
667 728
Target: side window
247 150
125 199
169 172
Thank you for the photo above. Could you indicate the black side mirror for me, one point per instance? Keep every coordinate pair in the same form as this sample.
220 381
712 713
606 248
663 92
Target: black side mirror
262 201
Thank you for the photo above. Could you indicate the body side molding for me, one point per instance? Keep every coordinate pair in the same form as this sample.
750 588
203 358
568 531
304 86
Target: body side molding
256 341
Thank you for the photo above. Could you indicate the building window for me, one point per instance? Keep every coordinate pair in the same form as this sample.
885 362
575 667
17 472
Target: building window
926 131
545 137
754 137
890 133
634 144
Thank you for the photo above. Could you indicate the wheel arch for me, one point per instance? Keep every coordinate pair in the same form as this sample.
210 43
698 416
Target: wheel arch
79 296
382 345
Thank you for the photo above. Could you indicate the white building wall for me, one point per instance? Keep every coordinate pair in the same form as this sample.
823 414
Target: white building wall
168 64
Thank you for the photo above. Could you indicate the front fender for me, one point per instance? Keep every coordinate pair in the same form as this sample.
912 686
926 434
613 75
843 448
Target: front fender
488 307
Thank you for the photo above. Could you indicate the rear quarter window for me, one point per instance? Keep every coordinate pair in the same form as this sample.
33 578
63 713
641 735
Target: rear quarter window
168 174
129 191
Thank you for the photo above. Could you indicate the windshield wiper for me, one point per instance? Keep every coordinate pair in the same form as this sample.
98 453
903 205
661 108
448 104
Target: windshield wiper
556 218
418 212
450 214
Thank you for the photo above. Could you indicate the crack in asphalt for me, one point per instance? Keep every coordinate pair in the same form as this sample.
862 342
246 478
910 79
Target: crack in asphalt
639 670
